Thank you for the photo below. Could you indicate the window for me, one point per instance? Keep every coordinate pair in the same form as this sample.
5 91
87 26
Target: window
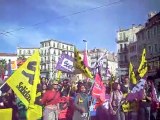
71 48
156 49
124 35
62 46
120 36
59 52
125 46
24 52
29 52
121 46
155 30
158 29
58 45
142 35
54 52
125 58
20 52
148 33
54 45
149 49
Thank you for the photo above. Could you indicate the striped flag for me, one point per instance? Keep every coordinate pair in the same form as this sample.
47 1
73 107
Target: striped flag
85 59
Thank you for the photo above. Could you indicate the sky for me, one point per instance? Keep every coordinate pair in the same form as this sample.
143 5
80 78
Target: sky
25 23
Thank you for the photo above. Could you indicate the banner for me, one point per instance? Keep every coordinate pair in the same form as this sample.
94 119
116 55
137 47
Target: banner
6 114
14 65
65 63
132 76
80 65
98 90
142 70
24 81
137 91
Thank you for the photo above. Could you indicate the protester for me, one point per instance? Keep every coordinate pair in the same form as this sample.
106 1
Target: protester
103 111
115 102
9 101
65 87
81 104
51 100
145 103
125 88
66 108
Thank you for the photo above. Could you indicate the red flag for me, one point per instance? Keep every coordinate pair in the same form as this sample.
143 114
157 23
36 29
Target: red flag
98 90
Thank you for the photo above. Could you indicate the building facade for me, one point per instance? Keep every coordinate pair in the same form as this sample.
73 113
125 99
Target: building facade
124 38
51 50
109 61
149 38
25 52
10 57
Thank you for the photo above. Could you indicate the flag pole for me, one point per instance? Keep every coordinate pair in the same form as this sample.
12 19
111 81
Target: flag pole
3 84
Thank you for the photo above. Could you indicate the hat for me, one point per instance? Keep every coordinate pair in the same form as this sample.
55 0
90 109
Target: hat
55 82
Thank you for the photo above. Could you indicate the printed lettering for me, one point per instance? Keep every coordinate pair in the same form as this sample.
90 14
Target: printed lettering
24 91
31 66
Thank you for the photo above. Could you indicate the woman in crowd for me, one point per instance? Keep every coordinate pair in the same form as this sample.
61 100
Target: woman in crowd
81 104
115 102
50 100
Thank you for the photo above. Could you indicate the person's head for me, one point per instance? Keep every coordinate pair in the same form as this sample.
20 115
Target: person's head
82 88
65 81
55 85
43 80
149 80
116 86
44 87
126 80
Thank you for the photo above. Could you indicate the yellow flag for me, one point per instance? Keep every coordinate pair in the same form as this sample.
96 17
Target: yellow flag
142 70
132 76
6 114
59 75
34 112
80 65
24 81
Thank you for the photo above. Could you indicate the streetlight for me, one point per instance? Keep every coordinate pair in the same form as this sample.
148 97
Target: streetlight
85 44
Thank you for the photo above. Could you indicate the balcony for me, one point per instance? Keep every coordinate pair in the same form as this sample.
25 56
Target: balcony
123 50
121 40
44 71
43 62
123 64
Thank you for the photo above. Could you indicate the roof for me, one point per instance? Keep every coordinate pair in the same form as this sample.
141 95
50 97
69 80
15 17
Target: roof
56 41
8 54
28 48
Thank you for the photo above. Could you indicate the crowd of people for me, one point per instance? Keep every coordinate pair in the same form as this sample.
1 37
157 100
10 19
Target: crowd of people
70 100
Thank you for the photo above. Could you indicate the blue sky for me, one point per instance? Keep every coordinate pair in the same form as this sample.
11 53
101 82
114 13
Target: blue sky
30 21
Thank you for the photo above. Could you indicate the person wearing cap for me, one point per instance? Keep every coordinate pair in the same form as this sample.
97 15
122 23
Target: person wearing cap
50 100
